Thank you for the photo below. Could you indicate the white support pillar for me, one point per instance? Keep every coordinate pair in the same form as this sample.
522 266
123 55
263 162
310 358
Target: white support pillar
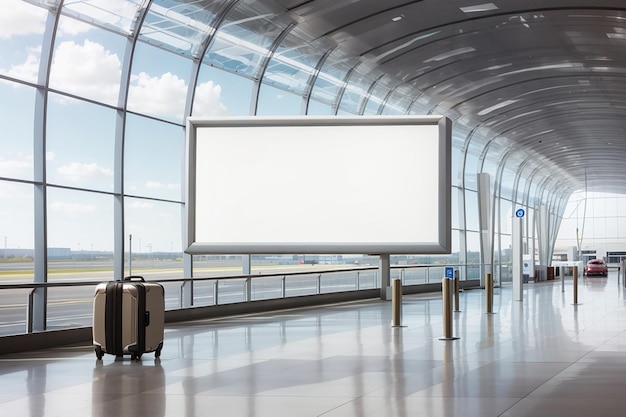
518 258
484 213
384 267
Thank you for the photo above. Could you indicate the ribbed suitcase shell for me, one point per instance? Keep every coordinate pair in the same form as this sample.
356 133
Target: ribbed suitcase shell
121 330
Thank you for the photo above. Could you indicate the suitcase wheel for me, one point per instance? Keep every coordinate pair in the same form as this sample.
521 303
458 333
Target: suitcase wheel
157 352
135 356
99 352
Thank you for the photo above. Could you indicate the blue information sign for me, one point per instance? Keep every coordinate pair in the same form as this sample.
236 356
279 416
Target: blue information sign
520 212
449 273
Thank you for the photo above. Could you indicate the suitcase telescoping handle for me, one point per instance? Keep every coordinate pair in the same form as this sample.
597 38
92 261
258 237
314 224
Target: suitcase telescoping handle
134 278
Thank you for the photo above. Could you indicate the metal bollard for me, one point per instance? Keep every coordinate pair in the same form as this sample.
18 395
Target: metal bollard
575 280
396 303
456 290
489 292
446 292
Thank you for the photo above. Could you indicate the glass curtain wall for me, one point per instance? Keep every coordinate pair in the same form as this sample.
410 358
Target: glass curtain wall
94 100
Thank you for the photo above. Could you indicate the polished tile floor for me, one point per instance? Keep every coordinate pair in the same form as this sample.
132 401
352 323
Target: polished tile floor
544 356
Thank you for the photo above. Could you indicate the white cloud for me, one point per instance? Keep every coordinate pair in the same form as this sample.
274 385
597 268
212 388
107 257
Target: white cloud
27 70
13 166
12 192
20 18
72 27
164 95
141 205
87 70
77 171
72 208
208 100
158 185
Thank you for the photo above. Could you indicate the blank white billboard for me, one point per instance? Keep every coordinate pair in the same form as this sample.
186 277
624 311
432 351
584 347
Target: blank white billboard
318 185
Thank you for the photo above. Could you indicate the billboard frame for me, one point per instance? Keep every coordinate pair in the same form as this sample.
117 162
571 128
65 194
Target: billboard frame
440 245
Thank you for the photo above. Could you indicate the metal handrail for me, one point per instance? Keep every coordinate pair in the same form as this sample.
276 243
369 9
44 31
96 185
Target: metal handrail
35 285
317 272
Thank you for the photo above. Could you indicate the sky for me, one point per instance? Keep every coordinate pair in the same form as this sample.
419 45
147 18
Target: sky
87 62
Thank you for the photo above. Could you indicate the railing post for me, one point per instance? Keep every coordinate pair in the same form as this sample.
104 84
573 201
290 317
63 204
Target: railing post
457 285
283 286
319 284
248 289
216 292
30 311
575 283
358 280
186 294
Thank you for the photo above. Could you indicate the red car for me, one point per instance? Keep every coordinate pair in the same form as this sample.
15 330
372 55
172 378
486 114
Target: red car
596 267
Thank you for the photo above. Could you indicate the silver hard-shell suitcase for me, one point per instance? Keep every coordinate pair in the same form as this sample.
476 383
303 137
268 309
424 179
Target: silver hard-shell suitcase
128 318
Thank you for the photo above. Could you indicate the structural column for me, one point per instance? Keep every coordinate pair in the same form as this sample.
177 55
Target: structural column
518 261
384 267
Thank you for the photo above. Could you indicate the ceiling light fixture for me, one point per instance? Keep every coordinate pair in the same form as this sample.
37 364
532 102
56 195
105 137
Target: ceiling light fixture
450 54
398 18
496 107
485 7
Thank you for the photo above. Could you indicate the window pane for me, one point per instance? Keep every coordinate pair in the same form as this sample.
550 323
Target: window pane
454 198
399 101
221 93
276 102
17 231
330 80
506 216
473 247
17 109
80 144
159 83
319 109
80 224
21 35
455 166
181 26
157 251
471 210
244 38
356 90
471 169
87 61
153 158
293 64
375 99
506 184
118 15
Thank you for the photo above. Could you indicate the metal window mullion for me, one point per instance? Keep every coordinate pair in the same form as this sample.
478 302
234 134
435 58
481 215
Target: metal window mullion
256 91
118 176
342 89
306 100
365 99
203 47
40 295
385 100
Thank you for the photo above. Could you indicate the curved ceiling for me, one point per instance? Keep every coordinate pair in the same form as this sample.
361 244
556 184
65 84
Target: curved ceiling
542 81
548 77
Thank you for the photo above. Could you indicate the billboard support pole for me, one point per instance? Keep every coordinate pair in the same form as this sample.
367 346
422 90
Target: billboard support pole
384 267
